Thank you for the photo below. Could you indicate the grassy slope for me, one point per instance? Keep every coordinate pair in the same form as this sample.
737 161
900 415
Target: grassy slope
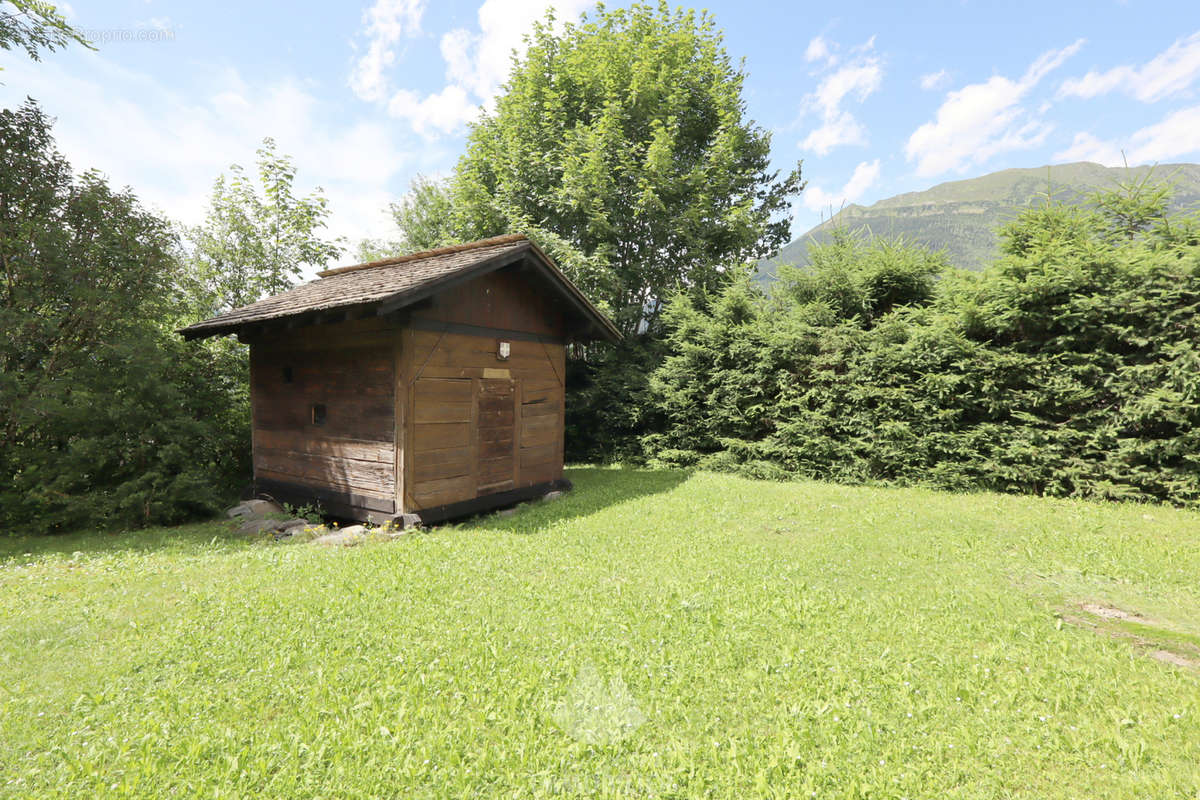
780 639
962 216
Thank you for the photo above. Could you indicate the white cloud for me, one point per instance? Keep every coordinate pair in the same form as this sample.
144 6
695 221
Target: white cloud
480 61
477 62
384 24
171 148
1086 147
1169 73
442 112
818 50
817 199
154 24
869 44
837 130
981 120
857 80
934 80
1178 134
864 177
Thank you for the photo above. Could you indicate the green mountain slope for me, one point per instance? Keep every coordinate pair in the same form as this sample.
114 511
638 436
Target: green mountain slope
962 216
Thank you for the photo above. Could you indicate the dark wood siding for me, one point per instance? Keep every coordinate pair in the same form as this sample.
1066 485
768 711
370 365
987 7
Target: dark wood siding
440 452
503 299
419 413
349 369
541 434
495 431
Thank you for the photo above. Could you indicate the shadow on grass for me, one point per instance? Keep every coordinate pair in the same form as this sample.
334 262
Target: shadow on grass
595 489
182 540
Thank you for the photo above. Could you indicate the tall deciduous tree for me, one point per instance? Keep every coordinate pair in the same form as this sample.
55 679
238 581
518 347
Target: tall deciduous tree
258 236
421 215
423 219
621 144
34 26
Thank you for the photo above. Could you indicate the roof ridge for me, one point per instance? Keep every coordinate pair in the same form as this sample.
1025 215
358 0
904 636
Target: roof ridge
439 251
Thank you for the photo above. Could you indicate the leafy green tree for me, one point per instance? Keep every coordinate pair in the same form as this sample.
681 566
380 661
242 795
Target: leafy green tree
421 214
375 249
422 217
621 145
106 417
34 26
258 237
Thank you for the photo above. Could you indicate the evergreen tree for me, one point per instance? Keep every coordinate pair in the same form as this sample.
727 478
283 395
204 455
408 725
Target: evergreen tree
1070 367
106 417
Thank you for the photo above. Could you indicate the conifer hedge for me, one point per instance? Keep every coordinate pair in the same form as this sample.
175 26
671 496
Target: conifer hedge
1070 367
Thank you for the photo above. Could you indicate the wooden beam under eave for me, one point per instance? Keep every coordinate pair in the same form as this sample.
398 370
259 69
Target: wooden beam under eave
360 312
299 321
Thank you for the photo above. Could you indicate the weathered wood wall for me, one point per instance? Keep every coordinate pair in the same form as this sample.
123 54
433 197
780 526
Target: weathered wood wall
348 367
478 425
420 411
504 299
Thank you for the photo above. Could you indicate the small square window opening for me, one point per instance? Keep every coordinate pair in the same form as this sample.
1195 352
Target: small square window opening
318 414
287 375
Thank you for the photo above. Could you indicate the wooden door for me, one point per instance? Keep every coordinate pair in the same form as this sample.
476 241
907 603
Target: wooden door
440 447
463 440
495 425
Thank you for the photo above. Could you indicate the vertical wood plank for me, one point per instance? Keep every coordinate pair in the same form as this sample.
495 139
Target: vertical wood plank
476 388
400 389
253 419
516 450
410 379
560 356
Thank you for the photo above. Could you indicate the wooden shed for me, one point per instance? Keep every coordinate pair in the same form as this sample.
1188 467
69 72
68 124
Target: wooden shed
416 388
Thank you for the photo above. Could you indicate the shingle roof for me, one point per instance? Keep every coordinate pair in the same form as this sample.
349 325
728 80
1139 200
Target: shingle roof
390 281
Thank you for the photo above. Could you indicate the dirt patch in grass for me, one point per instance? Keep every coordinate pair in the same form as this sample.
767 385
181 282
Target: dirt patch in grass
1175 658
1157 640
1109 612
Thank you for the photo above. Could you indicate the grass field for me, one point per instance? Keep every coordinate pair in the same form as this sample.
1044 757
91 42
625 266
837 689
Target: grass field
652 634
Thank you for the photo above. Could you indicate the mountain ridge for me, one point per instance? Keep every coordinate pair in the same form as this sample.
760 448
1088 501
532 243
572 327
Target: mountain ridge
961 216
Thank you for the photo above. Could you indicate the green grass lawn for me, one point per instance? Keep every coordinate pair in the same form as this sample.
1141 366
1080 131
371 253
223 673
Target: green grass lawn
651 634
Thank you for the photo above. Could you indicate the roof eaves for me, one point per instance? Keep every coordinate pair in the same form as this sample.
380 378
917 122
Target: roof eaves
596 321
607 327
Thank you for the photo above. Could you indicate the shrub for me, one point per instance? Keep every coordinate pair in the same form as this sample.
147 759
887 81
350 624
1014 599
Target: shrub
1069 367
106 417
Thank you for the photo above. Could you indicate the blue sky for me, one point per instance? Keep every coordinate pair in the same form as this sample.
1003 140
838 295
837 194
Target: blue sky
877 98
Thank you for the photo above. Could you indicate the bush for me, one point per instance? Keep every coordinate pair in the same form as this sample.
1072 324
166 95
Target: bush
1067 368
108 419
